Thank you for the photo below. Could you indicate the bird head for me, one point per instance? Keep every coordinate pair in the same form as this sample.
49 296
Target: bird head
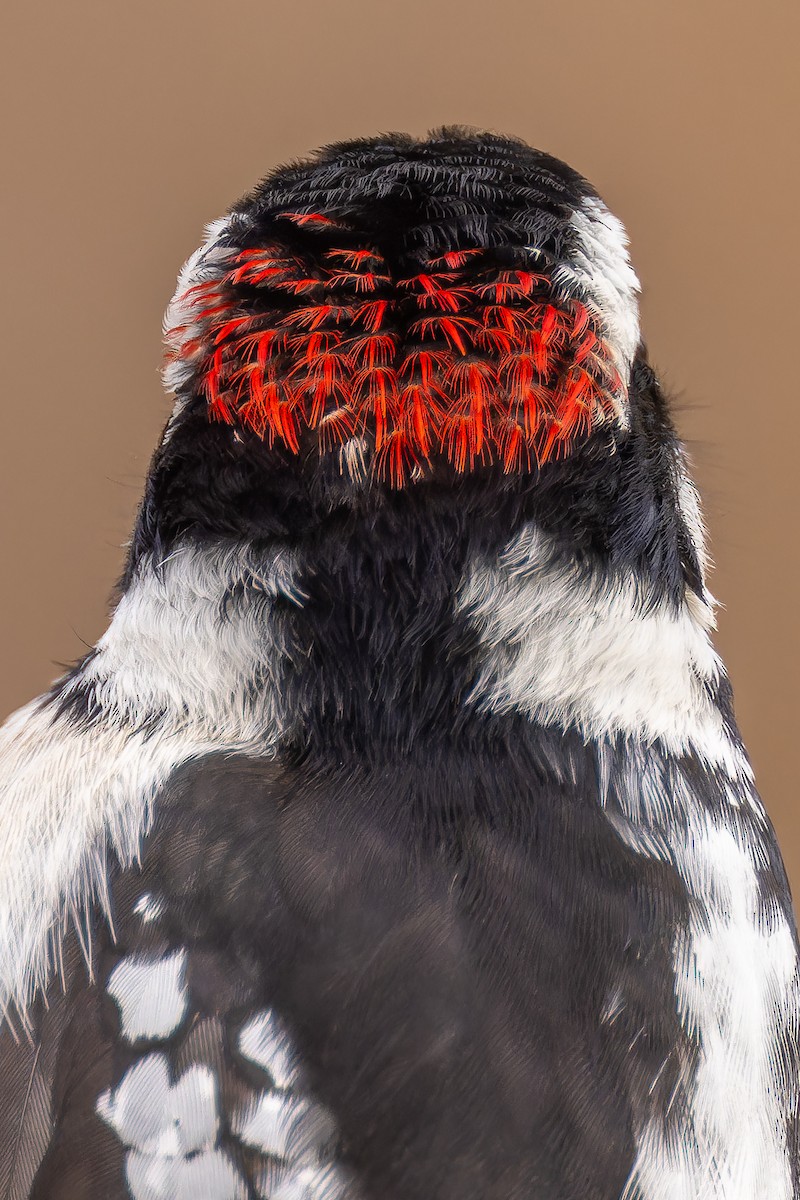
394 319
399 308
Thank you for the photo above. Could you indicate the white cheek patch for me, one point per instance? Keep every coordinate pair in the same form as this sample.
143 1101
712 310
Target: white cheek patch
206 264
176 643
151 995
584 650
600 266
692 515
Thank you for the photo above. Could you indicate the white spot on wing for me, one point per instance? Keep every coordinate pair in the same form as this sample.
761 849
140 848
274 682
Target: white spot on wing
209 1175
314 1183
150 1178
193 1106
151 995
264 1044
151 1114
284 1126
135 1109
295 1133
170 1130
148 907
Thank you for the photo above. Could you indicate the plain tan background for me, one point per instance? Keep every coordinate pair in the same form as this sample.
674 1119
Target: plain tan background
130 125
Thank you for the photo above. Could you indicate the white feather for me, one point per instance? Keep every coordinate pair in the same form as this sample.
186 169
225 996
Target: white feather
207 263
325 1182
151 994
171 681
170 1132
737 992
602 267
577 648
284 1125
209 1175
581 649
264 1043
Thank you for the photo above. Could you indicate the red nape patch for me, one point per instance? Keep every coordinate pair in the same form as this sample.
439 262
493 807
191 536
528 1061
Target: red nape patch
461 360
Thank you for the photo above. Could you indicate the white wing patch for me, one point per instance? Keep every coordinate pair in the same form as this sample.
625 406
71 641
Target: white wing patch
298 1133
158 1118
151 994
172 1129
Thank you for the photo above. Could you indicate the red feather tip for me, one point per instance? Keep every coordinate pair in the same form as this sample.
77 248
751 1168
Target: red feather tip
460 360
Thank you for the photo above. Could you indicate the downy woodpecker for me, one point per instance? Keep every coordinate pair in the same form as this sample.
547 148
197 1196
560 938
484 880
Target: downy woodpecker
397 841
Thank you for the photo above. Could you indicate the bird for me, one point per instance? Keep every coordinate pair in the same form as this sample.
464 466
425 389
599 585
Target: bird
397 839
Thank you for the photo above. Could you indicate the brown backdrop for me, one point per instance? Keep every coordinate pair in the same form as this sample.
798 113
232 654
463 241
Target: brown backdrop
130 125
